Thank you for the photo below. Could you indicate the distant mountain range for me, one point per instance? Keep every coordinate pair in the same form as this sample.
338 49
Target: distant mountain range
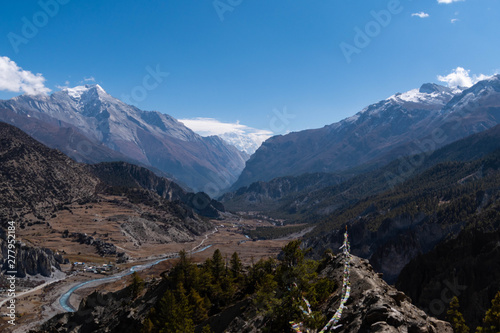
91 126
417 121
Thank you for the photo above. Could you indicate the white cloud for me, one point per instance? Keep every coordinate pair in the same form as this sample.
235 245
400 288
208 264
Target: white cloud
460 77
87 79
421 15
448 1
243 137
454 20
14 78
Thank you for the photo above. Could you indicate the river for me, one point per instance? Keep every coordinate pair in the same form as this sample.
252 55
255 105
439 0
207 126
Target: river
64 299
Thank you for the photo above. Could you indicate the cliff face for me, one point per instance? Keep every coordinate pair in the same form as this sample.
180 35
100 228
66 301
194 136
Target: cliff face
29 260
467 266
374 306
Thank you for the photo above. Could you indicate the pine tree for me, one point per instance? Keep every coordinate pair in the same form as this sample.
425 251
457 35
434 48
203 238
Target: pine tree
491 322
163 315
235 265
147 326
183 322
455 317
200 311
206 329
137 285
217 264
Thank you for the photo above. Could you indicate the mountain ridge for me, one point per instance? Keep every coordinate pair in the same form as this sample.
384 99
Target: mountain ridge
399 125
147 137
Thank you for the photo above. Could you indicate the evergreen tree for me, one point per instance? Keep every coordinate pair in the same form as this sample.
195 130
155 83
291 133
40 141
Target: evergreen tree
198 304
183 322
206 329
491 322
163 315
217 264
147 326
137 285
455 317
235 265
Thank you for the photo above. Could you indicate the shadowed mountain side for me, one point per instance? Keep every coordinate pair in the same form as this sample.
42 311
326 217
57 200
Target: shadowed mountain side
467 266
404 124
35 177
310 197
125 175
393 227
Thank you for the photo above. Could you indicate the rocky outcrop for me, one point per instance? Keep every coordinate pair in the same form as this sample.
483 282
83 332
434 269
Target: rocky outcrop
103 248
29 260
373 305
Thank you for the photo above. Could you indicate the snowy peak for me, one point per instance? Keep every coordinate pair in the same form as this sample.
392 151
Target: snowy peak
485 92
79 91
246 143
148 137
429 95
429 88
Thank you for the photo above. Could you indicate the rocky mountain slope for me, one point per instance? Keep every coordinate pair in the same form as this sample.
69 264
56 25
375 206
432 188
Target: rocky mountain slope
35 178
268 196
125 175
393 227
467 266
404 124
103 128
39 184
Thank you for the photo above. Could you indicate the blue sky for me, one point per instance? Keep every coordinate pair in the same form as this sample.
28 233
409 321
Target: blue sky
247 61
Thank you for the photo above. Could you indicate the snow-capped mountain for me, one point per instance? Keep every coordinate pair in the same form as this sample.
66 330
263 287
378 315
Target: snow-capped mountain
244 142
403 124
245 138
149 137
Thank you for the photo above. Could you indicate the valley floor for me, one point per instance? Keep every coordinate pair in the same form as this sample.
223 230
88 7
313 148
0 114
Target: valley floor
38 304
